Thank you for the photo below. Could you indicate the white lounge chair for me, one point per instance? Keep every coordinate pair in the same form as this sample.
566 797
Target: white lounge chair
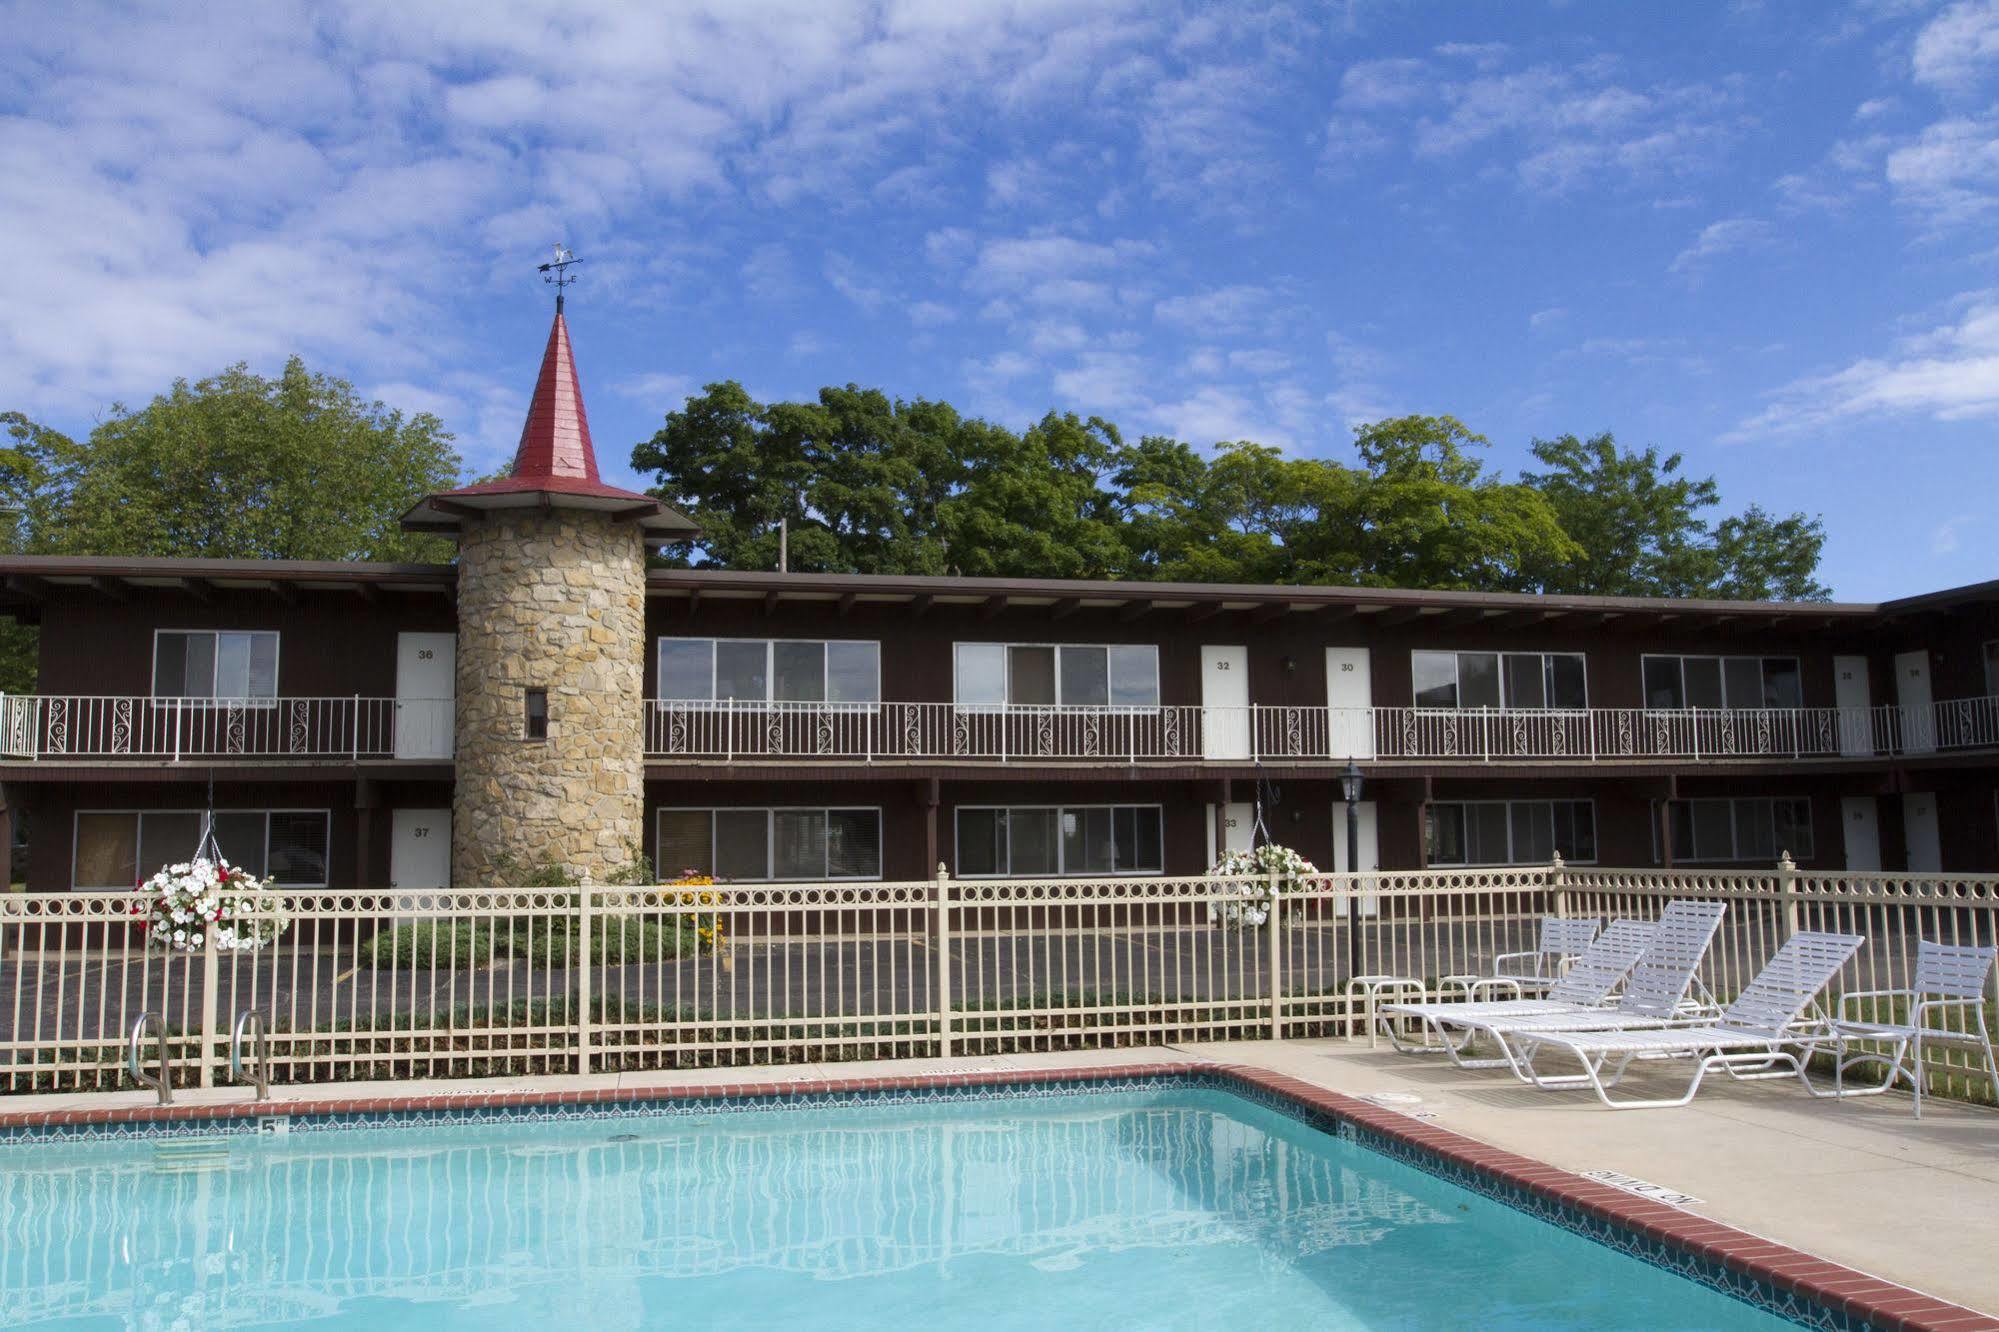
1531 974
1948 976
1655 993
1755 1035
1588 984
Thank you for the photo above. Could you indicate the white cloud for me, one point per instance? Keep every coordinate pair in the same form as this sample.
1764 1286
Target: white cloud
660 390
1958 47
1206 142
1727 236
1102 381
1947 536
1263 362
1560 126
1548 318
1054 271
1949 373
1950 173
1213 413
1217 310
227 181
1376 84
768 274
847 279
930 314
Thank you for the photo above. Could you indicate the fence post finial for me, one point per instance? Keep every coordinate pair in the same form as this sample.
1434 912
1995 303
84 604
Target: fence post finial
1557 863
1785 863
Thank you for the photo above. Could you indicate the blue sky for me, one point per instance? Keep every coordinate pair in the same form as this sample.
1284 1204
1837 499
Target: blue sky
1760 234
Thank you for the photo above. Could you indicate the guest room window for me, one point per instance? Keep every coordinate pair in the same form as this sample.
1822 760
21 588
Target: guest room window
1510 832
205 663
1066 675
1499 680
1722 682
1070 840
760 845
118 848
758 670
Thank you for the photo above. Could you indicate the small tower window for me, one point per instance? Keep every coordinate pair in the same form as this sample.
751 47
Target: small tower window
534 724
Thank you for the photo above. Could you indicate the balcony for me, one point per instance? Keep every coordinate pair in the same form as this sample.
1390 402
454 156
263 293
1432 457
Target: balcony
943 732
357 728
354 728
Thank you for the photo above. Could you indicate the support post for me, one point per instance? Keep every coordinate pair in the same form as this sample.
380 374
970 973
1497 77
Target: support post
585 909
1275 944
211 982
943 964
356 730
1353 890
1558 883
1787 889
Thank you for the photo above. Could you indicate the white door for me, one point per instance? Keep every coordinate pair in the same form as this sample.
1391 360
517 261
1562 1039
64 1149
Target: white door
1859 820
1856 720
1370 847
425 682
1225 702
1349 704
420 850
1919 828
1912 694
1238 829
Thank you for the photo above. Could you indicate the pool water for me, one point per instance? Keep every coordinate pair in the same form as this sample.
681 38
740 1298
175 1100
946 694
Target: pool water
1168 1207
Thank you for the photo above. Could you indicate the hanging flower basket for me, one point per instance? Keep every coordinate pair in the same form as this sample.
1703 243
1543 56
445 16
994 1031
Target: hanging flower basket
1250 905
188 903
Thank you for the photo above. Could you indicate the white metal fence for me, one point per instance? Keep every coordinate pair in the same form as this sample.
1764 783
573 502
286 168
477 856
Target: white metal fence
493 981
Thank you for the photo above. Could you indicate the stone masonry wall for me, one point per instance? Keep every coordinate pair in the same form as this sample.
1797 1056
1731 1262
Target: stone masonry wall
551 601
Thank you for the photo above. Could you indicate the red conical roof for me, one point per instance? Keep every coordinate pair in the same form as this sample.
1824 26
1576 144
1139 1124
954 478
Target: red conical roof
555 442
555 465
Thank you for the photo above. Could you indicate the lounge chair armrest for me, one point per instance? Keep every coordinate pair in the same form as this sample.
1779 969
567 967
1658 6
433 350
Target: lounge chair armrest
1916 1013
1500 960
1848 996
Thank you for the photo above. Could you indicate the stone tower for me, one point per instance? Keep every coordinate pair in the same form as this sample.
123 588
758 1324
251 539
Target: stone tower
550 743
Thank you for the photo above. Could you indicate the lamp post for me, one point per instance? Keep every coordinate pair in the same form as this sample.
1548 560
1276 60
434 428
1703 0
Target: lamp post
1350 784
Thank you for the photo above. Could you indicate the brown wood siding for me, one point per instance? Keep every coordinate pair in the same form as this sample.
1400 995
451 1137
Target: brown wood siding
329 646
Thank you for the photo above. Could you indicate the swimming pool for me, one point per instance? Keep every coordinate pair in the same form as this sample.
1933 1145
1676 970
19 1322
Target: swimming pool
1174 1204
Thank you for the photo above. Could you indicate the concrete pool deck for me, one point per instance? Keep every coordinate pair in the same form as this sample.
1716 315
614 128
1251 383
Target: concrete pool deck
1860 1183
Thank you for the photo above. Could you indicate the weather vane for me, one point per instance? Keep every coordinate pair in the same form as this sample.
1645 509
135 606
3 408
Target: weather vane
556 272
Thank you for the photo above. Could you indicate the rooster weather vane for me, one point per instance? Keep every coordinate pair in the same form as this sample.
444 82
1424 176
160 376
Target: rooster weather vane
556 272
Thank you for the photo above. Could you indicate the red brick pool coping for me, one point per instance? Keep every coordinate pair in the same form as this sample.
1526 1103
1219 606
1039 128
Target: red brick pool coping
1881 1304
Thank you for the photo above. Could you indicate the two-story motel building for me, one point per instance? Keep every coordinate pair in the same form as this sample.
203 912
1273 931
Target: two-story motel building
549 698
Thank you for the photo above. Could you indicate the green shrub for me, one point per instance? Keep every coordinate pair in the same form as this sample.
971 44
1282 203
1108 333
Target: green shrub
433 943
544 941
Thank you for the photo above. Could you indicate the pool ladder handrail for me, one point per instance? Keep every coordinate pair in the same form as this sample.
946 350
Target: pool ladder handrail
163 1083
245 1020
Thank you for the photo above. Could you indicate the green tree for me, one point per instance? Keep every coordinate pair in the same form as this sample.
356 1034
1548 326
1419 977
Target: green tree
1428 516
858 478
33 462
238 466
1035 505
1641 530
1760 558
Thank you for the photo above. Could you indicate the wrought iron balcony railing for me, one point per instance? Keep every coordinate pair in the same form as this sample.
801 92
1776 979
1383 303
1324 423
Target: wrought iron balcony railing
737 730
51 727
